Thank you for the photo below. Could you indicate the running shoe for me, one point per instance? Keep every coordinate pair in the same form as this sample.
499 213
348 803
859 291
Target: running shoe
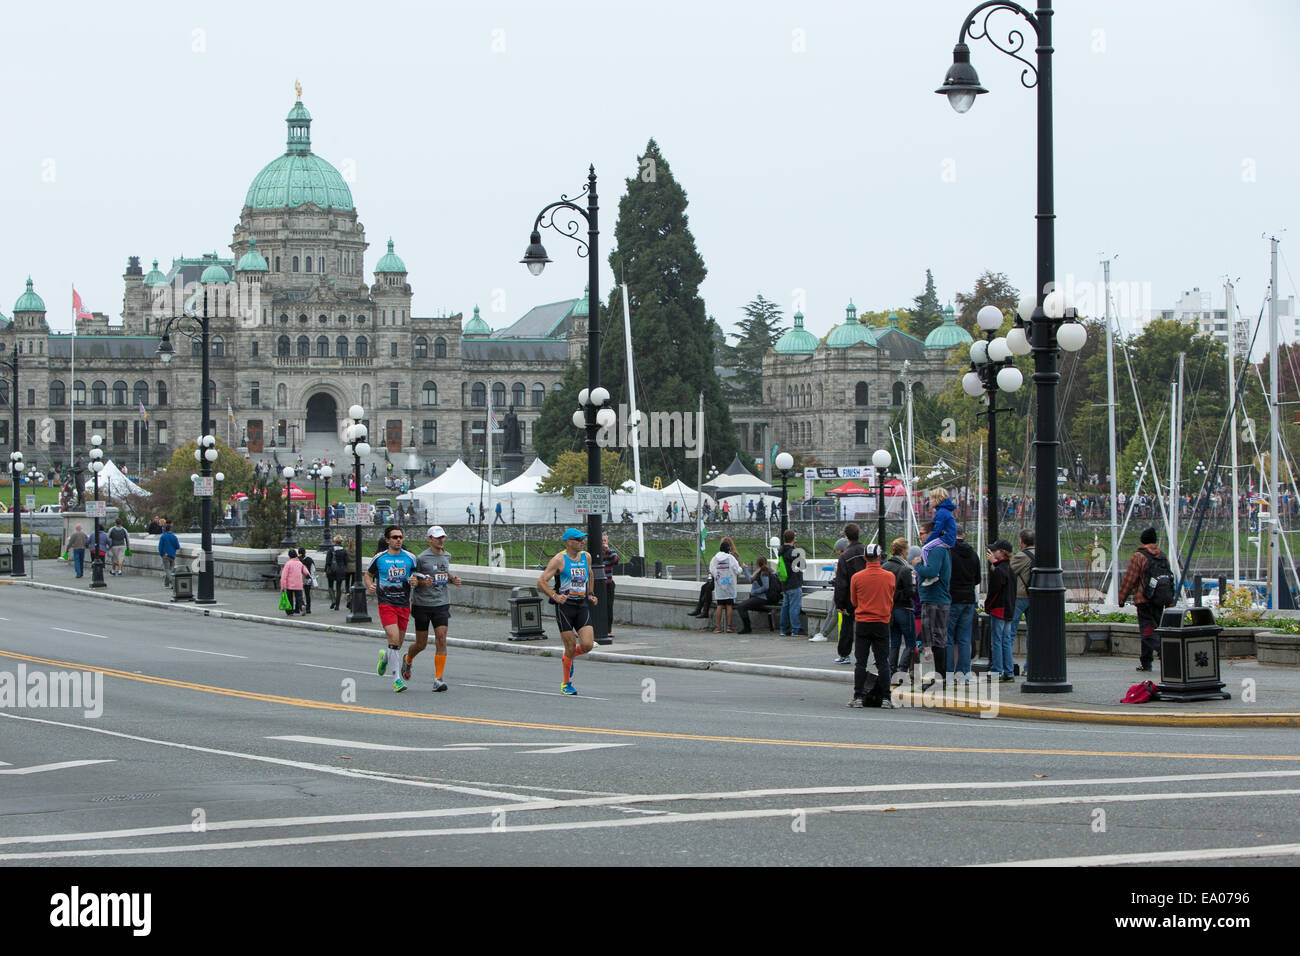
438 685
399 685
568 688
383 662
406 667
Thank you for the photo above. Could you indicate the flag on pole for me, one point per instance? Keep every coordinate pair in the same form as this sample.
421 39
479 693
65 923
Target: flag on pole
144 414
230 411
78 307
704 532
495 423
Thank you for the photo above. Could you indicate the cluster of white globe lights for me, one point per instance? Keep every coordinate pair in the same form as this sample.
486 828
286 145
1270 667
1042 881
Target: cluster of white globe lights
605 416
1071 337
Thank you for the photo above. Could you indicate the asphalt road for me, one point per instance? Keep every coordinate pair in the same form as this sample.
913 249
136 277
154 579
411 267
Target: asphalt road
233 743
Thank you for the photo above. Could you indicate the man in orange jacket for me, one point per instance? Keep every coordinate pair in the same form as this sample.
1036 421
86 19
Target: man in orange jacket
871 592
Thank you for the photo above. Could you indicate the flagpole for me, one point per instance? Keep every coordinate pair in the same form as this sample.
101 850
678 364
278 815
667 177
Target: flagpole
72 405
699 494
487 437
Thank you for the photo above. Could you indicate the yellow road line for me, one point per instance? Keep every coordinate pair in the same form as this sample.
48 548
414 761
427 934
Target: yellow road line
613 731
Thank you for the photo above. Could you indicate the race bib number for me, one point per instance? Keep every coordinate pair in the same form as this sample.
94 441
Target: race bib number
440 578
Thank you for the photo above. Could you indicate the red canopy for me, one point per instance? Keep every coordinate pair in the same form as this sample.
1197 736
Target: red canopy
295 494
850 488
895 489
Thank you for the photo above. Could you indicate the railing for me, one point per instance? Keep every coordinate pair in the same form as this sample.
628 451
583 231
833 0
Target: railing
324 361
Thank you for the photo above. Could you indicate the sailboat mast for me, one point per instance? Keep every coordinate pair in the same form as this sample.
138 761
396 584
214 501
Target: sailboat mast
1232 433
1112 595
1273 550
635 419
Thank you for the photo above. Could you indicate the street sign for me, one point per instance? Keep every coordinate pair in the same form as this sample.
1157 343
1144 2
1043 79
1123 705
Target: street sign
31 502
591 499
358 512
203 486
96 509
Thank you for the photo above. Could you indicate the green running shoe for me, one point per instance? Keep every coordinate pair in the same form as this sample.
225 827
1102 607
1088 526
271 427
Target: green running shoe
383 662
399 685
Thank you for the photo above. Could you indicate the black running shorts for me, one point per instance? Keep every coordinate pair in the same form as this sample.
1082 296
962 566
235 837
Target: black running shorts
424 617
573 615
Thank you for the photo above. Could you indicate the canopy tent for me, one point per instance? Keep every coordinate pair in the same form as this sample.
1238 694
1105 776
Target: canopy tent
895 489
114 484
295 494
457 479
521 502
850 488
638 499
736 480
527 482
684 495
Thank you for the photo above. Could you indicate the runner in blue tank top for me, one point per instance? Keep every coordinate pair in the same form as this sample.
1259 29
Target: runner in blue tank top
571 570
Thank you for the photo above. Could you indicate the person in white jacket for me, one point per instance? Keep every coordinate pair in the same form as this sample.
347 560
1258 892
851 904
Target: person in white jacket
726 571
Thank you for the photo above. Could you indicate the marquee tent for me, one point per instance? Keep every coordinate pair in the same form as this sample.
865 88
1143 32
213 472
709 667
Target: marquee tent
736 480
114 484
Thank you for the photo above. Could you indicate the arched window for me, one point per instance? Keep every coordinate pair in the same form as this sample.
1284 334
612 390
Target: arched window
429 394
119 393
162 393
421 347
789 396
539 395
322 318
98 393
281 396
140 394
218 346
478 395
57 394
304 346
517 393
322 346
499 395
361 320
295 263
282 346
302 320
860 394
196 348
277 263
363 348
343 320
341 346
212 395
309 263
440 347
284 318
365 395
899 393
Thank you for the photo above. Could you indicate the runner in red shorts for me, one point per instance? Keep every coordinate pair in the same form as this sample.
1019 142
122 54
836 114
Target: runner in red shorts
390 577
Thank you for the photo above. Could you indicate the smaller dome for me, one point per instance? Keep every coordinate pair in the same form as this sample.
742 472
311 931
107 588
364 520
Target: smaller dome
798 341
29 301
476 325
391 262
214 273
851 312
252 260
582 308
950 335
155 277
850 334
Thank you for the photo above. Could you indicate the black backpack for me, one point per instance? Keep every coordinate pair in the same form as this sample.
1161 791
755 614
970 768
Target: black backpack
1158 581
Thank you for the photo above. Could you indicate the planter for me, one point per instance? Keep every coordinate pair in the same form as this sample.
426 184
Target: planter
1273 648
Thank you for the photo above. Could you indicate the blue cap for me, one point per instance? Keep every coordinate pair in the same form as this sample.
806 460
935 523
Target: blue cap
572 533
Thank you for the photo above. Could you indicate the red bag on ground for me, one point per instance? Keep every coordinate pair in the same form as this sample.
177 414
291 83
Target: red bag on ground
1141 693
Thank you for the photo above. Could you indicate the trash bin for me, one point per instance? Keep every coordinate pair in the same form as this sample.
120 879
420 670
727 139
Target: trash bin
601 624
983 642
182 585
659 568
636 566
1189 655
6 559
525 615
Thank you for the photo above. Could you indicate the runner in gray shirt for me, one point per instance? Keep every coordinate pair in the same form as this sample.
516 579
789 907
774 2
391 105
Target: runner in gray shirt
431 604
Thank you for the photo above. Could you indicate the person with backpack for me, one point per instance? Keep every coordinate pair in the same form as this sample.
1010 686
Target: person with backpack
999 605
851 562
790 565
961 617
1022 566
1149 581
119 540
336 569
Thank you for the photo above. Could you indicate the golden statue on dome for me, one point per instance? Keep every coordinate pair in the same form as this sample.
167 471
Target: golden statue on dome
297 87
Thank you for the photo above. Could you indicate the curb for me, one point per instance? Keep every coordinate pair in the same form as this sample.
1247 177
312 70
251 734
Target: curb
910 700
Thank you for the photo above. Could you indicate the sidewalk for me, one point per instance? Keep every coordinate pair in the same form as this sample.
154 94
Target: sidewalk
1099 682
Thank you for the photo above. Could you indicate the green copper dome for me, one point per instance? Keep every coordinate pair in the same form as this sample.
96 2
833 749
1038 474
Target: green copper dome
155 277
299 176
949 335
252 260
798 341
582 308
852 332
391 262
476 325
214 273
29 301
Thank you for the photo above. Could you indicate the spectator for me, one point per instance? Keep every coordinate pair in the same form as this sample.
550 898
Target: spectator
1022 566
1000 605
872 594
849 564
336 568
936 599
792 563
608 559
118 541
833 618
725 569
168 546
763 590
961 618
902 623
704 603
291 580
77 542
1148 579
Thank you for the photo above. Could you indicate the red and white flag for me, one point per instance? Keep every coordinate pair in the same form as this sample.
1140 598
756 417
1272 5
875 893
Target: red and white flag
79 307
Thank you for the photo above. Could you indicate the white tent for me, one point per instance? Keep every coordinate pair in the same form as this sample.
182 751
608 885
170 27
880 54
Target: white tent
685 497
638 499
527 482
114 484
445 499
522 503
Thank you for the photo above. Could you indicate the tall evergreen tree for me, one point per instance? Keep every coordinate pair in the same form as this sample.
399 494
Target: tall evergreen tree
671 335
759 330
926 312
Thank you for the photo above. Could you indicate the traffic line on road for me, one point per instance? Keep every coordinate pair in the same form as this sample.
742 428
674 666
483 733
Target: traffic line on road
520 690
195 650
540 748
326 667
645 734
102 637
1163 856
46 767
501 828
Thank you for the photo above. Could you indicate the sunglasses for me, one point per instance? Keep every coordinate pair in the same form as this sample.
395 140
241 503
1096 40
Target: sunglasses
395 537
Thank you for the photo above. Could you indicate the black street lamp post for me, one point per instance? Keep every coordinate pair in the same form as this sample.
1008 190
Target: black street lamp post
326 473
1044 311
882 460
992 368
221 507
18 567
594 397
77 472
356 447
290 540
784 463
97 552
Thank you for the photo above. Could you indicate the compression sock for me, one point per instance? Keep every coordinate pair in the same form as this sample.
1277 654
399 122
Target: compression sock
439 662
567 667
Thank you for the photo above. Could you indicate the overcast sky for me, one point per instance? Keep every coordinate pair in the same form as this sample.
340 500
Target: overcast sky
818 162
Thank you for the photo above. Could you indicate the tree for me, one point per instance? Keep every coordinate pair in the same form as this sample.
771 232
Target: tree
991 288
759 330
927 314
671 336
570 469
266 506
172 490
554 432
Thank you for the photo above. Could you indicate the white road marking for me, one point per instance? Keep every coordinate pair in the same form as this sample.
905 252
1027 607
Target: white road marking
82 633
299 764
670 818
518 690
1164 856
195 650
346 670
530 748
45 767
983 725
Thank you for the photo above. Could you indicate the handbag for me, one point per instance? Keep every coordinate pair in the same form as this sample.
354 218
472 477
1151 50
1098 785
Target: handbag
285 603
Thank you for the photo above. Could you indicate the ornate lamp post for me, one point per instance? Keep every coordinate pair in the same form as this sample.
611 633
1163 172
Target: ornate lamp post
881 459
784 464
16 468
326 473
290 541
1039 330
992 369
357 446
591 402
221 507
97 553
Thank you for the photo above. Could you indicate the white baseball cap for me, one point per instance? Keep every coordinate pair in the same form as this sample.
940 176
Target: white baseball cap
437 532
